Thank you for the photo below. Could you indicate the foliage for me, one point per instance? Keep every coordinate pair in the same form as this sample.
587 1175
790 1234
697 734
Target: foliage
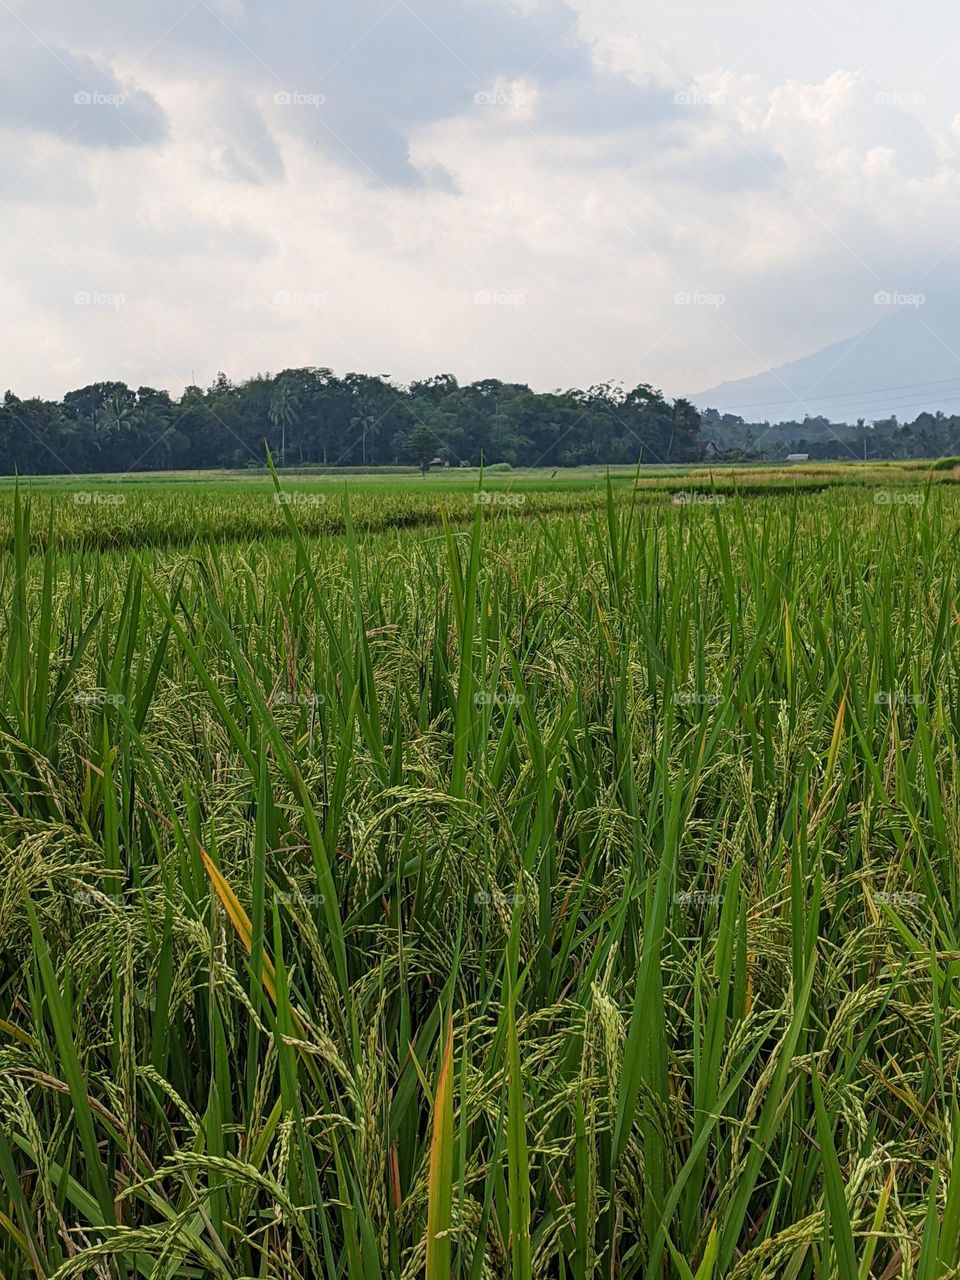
930 435
310 415
547 895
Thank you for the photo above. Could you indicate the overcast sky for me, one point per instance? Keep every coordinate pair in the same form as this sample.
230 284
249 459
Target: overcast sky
560 192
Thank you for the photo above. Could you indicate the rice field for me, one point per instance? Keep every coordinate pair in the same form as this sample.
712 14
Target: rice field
120 512
480 877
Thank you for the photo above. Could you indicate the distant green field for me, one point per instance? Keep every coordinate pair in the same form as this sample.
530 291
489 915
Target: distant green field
458 878
440 479
455 478
148 510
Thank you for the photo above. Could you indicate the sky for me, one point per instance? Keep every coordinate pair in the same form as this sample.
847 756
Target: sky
558 192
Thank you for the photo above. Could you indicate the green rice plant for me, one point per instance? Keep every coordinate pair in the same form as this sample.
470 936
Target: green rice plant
456 888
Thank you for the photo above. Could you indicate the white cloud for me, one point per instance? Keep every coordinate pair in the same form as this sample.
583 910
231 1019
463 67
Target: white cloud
398 160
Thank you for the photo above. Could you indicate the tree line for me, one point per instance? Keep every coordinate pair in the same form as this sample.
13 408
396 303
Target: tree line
311 416
929 435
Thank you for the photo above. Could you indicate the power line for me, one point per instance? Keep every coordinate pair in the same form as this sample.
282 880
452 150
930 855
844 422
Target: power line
840 395
904 406
919 406
908 404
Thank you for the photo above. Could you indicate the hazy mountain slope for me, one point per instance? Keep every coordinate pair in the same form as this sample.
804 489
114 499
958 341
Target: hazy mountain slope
907 362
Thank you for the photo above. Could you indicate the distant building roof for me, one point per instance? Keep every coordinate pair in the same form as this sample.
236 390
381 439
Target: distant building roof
798 457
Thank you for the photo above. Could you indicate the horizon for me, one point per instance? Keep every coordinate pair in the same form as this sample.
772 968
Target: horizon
810 407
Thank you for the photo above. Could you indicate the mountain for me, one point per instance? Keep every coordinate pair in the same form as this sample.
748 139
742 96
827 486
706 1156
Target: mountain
903 364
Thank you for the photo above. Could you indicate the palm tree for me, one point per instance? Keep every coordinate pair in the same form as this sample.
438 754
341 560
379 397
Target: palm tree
684 426
284 412
114 418
368 425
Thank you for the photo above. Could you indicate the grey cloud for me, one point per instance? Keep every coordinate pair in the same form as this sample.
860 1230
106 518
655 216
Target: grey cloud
53 91
599 103
243 145
396 67
383 68
903 133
